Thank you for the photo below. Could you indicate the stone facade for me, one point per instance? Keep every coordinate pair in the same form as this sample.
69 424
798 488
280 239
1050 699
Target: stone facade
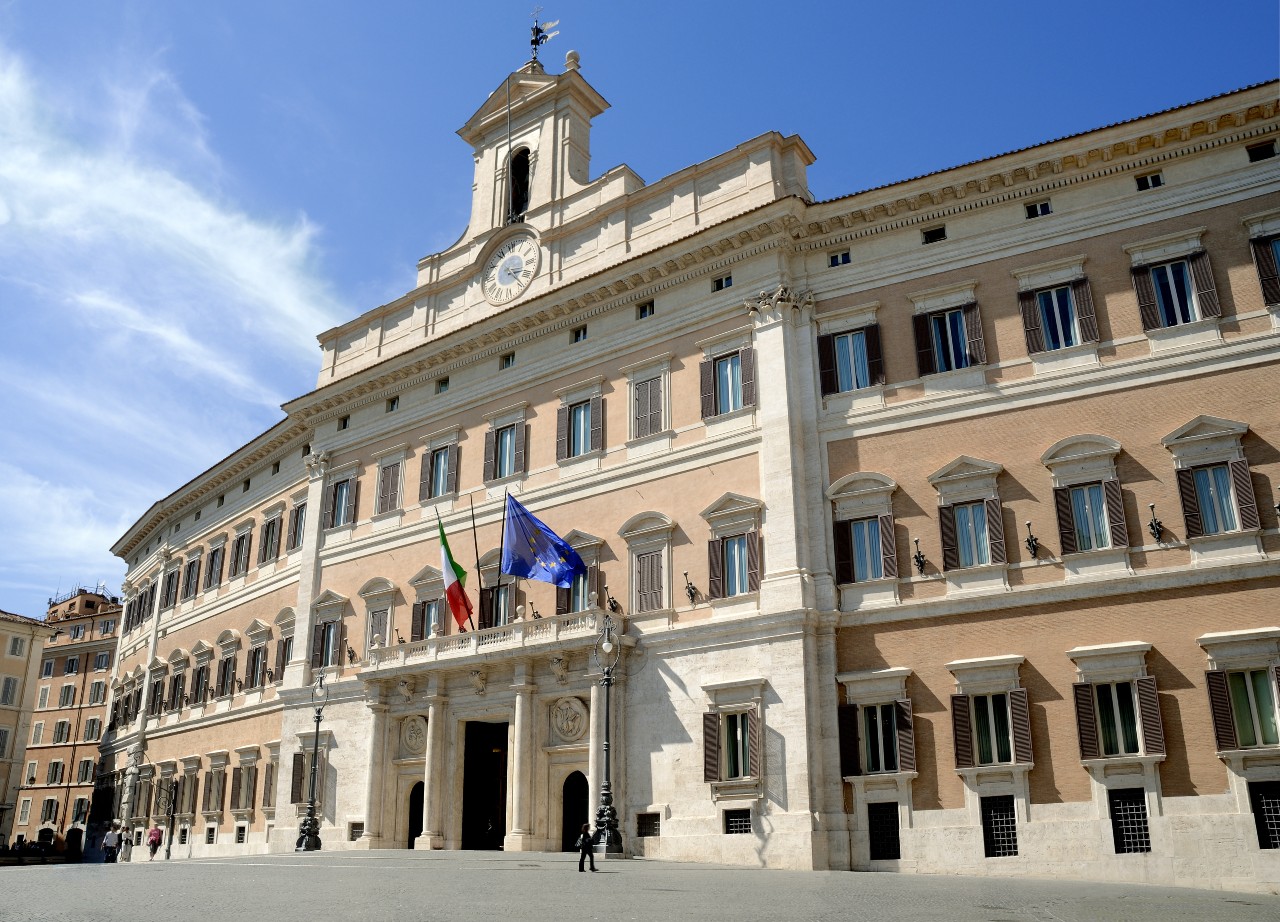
20 641
744 408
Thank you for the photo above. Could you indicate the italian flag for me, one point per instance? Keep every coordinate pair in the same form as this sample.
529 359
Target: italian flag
455 579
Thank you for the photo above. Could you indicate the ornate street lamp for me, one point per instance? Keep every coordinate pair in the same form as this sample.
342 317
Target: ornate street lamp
309 831
608 653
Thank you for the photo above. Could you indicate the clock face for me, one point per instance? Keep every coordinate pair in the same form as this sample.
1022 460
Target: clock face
510 269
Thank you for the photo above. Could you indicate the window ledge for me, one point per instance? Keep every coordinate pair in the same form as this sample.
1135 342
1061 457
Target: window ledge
1102 563
870 397
654 443
876 593
1122 765
974 775
972 378
585 463
383 521
338 534
743 600
509 484
980 579
733 421
1185 335
737 789
1067 358
1228 547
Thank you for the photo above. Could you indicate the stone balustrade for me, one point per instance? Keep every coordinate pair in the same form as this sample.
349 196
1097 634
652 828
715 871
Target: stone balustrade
541 632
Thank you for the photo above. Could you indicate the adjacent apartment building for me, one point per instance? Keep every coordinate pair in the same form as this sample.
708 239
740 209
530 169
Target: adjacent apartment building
20 641
68 717
939 519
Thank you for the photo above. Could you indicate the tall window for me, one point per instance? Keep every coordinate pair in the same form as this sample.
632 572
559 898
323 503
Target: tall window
170 594
737 741
97 692
200 684
9 690
580 593
971 535
269 540
579 428
867 561
504 458
1253 706
1174 294
728 379
329 647
518 203
92 729
852 368
341 501
101 662
240 554
389 487
190 578
991 728
501 598
439 472
950 347
1057 318
297 522
256 668
67 696
1117 718
71 666
1213 494
213 575
1089 513
735 565
880 737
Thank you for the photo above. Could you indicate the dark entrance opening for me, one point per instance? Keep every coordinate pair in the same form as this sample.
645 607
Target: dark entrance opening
575 810
519 179
415 813
484 786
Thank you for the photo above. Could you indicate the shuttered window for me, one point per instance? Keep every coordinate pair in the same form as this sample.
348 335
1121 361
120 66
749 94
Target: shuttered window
646 418
1243 707
190 578
1059 317
1217 498
735 565
949 340
728 382
269 540
213 573
731 746
297 523
389 487
239 555
1266 258
504 452
1090 517
971 535
649 582
1177 292
879 733
1118 718
340 503
849 361
439 473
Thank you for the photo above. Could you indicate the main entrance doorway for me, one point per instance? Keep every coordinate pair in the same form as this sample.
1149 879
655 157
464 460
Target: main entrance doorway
574 810
415 813
484 786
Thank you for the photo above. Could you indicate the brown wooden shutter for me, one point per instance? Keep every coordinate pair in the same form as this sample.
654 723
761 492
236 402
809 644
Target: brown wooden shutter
875 354
1115 513
1206 291
250 785
711 746
280 663
1186 479
486 609
264 541
342 644
925 362
1086 318
1224 726
564 599
1146 293
317 646
754 754
640 409
1149 709
947 534
417 622
384 488
995 531
268 784
707 381
237 776
562 433
906 735
644 586
326 514
490 448
249 670
973 331
1020 721
296 792
828 379
962 731
847 721
520 461
655 405
451 472
842 543
1066 520
1246 503
353 497
424 476
715 568
747 363
293 527
888 548
1086 720
208 792
1031 328
597 424
1264 258
753 561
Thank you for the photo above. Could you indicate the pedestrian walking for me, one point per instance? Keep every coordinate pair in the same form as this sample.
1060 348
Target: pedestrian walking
585 848
154 838
110 845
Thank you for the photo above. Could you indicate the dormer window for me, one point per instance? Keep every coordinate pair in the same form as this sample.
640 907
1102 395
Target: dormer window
518 179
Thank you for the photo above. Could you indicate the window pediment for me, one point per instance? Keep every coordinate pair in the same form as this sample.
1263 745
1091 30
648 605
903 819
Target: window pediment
945 297
284 621
329 604
378 590
258 631
1206 439
966 479
733 513
646 525
1111 662
228 640
580 540
862 494
987 675
201 649
178 657
1166 247
1242 649
1058 272
874 686
426 575
1081 458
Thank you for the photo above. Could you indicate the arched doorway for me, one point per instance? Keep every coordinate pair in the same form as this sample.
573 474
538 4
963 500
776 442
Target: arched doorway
574 810
415 813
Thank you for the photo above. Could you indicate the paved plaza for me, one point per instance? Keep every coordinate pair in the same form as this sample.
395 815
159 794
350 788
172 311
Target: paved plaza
411 886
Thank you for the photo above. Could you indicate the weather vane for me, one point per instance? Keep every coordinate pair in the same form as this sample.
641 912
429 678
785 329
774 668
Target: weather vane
541 34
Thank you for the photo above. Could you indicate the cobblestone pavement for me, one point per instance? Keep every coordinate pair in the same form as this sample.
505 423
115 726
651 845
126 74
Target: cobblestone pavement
411 886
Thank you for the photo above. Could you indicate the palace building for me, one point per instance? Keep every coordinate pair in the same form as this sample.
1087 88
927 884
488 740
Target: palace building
938 519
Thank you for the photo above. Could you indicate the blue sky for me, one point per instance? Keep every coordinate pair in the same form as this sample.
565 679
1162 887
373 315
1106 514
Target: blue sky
189 192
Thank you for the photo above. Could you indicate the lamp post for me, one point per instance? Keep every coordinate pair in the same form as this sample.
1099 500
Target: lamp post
309 831
607 653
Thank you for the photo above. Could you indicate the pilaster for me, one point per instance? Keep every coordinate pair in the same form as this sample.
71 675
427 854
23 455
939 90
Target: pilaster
433 781
519 838
298 671
376 780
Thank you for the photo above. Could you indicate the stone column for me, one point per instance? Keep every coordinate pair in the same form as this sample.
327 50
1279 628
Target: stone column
377 771
432 824
522 758
595 753
298 670
832 848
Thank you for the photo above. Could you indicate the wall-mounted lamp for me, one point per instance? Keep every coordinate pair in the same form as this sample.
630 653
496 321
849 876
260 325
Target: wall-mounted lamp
239 684
1032 542
271 675
399 639
1155 526
534 612
918 558
351 655
612 602
185 700
689 589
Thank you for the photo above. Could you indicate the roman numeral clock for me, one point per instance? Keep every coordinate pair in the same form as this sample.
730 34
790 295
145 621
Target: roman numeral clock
511 268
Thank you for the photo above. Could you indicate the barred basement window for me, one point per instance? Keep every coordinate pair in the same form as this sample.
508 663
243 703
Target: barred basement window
882 830
1264 798
354 831
241 832
737 822
182 835
210 835
1129 826
648 825
999 827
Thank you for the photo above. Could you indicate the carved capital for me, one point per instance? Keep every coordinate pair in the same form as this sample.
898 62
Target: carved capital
317 464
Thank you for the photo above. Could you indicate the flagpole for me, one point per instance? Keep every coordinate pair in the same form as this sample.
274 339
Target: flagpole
475 542
502 538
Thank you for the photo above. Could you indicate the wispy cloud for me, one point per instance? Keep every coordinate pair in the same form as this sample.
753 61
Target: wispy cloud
151 324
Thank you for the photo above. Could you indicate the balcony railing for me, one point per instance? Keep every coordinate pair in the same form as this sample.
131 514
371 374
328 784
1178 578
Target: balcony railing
520 634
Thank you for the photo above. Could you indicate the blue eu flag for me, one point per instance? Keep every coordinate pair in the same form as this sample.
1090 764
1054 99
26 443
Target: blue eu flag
532 550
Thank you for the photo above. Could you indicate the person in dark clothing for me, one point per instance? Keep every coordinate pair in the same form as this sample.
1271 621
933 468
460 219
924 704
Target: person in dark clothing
585 848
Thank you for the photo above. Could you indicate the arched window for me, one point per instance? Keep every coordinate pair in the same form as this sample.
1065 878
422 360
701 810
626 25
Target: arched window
519 185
